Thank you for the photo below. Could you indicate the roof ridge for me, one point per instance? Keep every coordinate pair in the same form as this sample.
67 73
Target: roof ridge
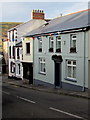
72 13
78 11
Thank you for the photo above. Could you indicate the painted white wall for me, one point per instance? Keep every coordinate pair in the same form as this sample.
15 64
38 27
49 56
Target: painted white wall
27 57
89 44
66 55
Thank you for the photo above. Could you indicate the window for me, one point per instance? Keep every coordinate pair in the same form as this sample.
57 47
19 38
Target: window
12 67
58 44
13 51
71 69
73 38
51 44
12 35
42 66
18 68
40 44
17 53
27 48
10 51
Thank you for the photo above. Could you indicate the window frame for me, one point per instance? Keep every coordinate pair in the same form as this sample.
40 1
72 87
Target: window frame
39 44
12 67
58 50
18 54
72 65
51 48
27 48
9 51
42 66
72 48
13 51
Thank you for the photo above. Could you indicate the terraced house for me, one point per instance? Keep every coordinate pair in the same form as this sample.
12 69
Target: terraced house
61 52
20 54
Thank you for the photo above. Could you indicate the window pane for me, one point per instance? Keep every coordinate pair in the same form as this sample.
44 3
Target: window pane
69 62
74 72
27 47
69 71
42 65
51 42
74 43
74 62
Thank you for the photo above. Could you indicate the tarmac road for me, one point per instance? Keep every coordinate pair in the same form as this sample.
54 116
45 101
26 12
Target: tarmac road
18 102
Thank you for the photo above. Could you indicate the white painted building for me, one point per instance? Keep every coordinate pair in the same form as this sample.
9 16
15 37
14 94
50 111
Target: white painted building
20 56
61 52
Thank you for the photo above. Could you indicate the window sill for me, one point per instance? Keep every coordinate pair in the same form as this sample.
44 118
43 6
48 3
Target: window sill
40 51
71 79
73 52
42 73
27 54
58 52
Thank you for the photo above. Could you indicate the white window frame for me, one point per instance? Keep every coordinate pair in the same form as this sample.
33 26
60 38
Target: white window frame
72 71
18 69
12 67
73 39
27 47
57 40
42 65
51 40
40 43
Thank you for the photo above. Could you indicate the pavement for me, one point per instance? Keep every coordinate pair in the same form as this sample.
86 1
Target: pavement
23 83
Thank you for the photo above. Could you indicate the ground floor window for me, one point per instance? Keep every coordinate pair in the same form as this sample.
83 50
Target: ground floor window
71 69
42 65
12 67
18 69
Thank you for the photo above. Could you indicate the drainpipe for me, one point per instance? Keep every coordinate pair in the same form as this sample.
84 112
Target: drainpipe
83 89
33 61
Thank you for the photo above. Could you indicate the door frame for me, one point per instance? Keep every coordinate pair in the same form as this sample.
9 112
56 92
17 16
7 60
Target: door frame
59 73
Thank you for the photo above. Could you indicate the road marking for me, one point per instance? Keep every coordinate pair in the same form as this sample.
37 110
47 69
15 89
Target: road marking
51 108
6 92
26 100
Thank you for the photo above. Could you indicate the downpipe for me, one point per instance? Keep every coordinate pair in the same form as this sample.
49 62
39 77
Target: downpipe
83 89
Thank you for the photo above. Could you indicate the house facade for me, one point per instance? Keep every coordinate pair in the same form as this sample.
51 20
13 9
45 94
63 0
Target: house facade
61 56
21 57
27 60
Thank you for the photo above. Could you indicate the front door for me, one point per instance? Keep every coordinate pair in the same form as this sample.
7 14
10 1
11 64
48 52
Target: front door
57 74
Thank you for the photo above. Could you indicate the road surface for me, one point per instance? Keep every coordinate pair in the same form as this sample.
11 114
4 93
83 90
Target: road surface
19 102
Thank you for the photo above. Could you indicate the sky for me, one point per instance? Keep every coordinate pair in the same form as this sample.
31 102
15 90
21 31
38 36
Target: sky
21 11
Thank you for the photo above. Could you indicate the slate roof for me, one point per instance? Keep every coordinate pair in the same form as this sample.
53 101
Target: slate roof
80 19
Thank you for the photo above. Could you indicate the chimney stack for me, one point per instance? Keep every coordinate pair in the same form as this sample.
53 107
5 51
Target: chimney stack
38 14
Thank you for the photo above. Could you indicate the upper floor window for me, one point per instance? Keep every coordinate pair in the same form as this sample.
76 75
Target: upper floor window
13 51
71 69
73 39
12 35
27 48
10 51
18 53
58 44
51 44
40 44
42 66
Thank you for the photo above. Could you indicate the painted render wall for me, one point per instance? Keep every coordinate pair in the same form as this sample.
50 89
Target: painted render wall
66 55
33 25
27 57
89 60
